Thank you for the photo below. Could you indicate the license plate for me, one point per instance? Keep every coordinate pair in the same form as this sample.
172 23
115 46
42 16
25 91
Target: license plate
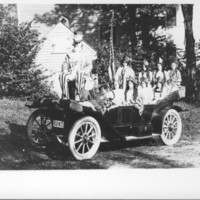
58 124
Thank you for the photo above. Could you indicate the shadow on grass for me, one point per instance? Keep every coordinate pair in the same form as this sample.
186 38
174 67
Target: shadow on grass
55 156
18 134
16 140
16 153
119 144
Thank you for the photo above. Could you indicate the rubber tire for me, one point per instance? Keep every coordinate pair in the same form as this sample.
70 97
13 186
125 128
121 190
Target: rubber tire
72 135
175 139
29 126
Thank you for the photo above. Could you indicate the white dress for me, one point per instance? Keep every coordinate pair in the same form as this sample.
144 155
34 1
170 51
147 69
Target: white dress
159 75
146 94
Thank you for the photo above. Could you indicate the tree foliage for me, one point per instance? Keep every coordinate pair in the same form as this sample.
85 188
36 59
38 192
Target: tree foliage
19 75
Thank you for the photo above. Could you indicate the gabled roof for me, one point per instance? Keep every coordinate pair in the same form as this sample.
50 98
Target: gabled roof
60 23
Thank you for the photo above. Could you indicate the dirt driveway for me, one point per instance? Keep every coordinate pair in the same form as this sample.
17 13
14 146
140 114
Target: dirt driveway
15 153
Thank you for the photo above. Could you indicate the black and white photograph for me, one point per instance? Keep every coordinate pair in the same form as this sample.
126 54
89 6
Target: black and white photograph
100 95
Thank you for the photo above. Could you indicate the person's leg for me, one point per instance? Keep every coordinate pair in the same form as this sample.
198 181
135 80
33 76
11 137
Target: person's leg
61 77
78 84
72 88
64 85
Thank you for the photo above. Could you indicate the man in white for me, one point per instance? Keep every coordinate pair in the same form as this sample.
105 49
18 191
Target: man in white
124 73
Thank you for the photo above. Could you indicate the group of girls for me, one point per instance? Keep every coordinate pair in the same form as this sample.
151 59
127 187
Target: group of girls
152 86
147 88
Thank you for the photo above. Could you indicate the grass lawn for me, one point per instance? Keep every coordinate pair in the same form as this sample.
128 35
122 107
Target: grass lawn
16 153
13 117
12 112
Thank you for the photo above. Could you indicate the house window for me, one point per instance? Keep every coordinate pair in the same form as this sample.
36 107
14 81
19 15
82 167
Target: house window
171 17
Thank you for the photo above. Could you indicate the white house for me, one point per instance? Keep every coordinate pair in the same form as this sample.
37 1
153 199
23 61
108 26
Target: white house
53 51
176 31
58 39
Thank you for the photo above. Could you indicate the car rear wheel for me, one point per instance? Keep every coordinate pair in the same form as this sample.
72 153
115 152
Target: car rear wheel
84 138
39 129
171 127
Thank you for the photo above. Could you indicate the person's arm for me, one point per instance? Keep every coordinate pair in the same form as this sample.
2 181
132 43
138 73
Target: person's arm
132 73
166 75
139 76
87 67
151 95
150 76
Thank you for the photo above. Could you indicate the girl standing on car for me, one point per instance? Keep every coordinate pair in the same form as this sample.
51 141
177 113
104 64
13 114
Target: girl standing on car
145 74
159 73
124 73
174 77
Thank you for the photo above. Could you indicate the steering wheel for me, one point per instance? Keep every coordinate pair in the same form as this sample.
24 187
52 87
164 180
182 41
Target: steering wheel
108 95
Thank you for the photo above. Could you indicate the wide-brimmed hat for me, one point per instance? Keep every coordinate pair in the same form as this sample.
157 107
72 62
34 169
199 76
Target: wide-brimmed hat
89 83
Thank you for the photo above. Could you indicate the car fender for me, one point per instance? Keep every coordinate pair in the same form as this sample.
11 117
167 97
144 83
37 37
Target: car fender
157 119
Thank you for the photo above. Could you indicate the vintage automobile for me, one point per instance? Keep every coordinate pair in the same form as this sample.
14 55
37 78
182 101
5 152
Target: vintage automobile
82 128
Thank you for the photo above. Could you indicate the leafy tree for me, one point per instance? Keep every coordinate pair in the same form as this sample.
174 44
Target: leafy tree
19 75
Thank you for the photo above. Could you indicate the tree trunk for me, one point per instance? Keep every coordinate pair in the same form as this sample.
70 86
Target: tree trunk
187 10
145 30
132 14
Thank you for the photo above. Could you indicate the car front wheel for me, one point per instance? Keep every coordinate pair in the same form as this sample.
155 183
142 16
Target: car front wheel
171 127
84 138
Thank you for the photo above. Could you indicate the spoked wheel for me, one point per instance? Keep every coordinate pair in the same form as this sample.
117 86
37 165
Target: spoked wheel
39 129
84 138
171 127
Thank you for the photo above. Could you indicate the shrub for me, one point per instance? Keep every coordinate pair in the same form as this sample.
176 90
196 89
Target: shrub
20 77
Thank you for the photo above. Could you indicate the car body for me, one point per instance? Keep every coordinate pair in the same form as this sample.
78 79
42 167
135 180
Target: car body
82 128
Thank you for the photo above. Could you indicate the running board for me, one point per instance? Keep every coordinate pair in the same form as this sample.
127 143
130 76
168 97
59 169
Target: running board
129 138
103 139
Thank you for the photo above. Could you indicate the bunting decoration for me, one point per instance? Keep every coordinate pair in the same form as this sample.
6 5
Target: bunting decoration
111 68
